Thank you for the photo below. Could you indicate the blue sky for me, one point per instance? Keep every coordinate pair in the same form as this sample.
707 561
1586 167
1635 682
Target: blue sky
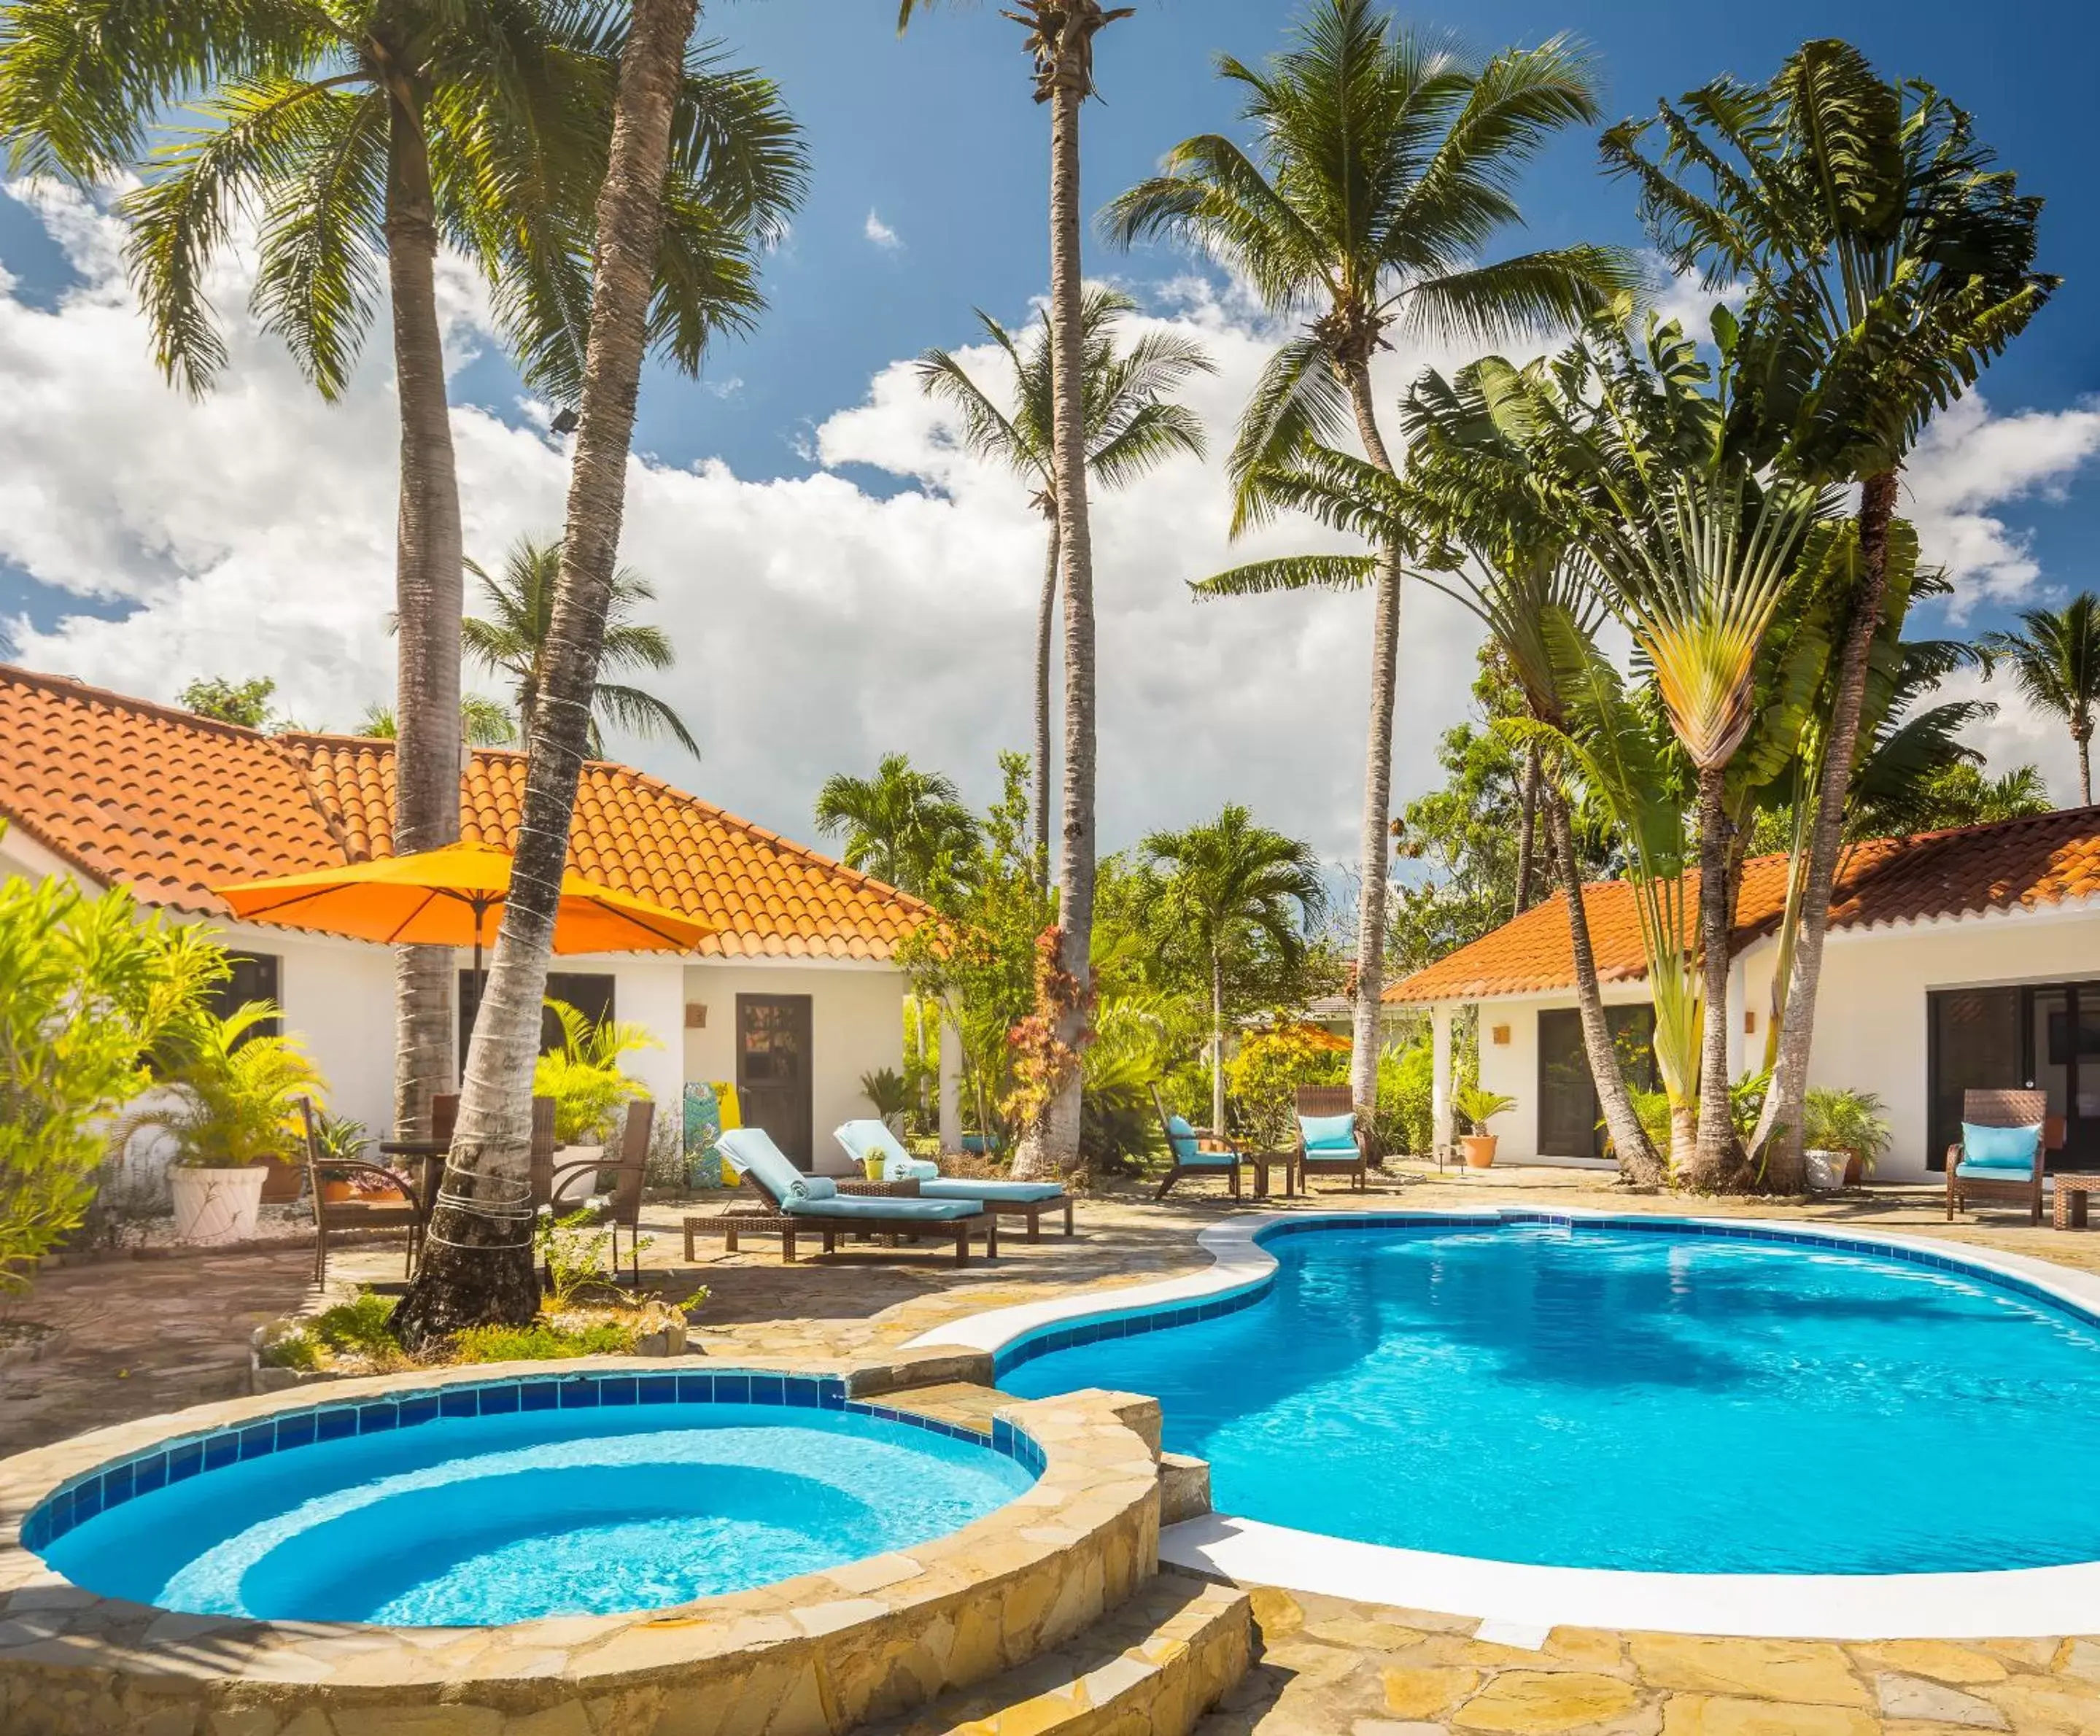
932 142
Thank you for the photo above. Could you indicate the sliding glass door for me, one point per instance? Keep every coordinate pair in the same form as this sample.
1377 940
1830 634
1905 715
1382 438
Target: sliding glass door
1567 1112
2044 1035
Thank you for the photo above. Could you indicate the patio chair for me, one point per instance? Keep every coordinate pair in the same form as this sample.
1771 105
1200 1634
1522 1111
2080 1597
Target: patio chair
807 1204
1186 1156
2010 1173
387 1200
1028 1200
628 1165
1328 1141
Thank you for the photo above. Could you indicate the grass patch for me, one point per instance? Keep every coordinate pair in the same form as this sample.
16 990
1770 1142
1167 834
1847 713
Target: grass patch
540 1342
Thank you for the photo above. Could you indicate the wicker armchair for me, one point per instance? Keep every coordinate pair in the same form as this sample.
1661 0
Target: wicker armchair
409 1212
2004 1108
1331 1100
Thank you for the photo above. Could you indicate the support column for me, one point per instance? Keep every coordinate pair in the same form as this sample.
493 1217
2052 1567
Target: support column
1439 1074
1742 1044
951 1083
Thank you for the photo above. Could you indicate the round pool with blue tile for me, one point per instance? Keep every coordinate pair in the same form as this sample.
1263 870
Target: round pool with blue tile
503 1500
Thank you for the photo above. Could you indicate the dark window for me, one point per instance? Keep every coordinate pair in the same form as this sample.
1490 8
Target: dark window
588 992
254 978
1567 1110
772 1081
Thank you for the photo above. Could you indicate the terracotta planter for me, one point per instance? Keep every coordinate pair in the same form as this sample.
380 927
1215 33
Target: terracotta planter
216 1205
1480 1150
282 1179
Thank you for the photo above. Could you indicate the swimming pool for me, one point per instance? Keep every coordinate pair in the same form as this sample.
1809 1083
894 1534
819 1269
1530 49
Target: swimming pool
511 1500
1607 1393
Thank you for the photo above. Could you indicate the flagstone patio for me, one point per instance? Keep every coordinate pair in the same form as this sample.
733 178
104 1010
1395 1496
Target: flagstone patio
144 1336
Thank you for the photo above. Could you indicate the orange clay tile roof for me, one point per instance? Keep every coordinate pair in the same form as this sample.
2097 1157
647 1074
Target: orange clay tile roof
170 805
2014 865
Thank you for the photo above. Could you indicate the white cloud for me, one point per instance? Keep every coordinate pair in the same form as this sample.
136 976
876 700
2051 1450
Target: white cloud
818 624
880 233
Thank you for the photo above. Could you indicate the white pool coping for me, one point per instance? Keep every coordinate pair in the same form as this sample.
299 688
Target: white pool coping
2001 1603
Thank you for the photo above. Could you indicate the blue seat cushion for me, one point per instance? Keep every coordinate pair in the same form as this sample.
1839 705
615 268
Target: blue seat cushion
1344 1153
1206 1160
860 1206
1993 1172
1016 1193
2006 1151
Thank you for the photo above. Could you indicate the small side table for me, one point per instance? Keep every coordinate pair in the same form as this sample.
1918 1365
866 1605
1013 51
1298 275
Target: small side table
1264 1162
2072 1194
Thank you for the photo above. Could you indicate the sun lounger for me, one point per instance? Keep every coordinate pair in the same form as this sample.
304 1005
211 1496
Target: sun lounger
1028 1200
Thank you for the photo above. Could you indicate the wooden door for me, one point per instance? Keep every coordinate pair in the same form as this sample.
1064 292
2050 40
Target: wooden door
773 1069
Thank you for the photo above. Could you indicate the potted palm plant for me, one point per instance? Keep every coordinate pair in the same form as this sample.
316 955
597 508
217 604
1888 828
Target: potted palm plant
584 1079
1847 1132
230 1105
1476 1106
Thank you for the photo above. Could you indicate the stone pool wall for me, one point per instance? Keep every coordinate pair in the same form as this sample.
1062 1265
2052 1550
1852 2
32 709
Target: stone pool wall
813 1656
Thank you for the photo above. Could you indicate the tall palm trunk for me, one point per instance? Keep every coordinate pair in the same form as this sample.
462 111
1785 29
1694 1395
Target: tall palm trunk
1788 1169
1217 1041
1527 831
1378 779
1714 1161
1046 633
1638 1163
428 597
1054 1142
2083 737
479 1266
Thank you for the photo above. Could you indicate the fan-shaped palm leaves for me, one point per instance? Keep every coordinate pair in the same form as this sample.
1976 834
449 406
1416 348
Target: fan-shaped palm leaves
1131 427
903 825
2054 658
1888 262
515 640
1381 169
1231 883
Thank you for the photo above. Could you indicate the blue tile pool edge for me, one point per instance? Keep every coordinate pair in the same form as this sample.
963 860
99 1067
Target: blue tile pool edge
1130 1323
95 1491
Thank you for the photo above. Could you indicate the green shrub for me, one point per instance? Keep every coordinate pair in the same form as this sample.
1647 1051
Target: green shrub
1406 1120
1262 1079
360 1325
291 1348
540 1342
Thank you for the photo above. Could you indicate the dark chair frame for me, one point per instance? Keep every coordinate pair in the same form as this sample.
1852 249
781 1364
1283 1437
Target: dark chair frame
333 1215
1208 1171
628 1169
1332 1099
2020 1107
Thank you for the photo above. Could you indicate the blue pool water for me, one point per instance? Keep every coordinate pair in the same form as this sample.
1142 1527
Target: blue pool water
503 1518
1602 1397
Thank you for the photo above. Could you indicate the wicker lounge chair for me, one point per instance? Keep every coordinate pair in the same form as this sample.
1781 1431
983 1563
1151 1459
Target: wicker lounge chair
1027 1201
1996 1181
1186 1156
1321 1151
792 1205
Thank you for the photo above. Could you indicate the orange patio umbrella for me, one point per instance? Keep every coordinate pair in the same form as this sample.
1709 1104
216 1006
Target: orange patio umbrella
454 896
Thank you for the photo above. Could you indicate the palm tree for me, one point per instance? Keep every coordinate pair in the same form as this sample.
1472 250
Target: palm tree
2055 659
1888 265
479 1267
1130 427
1060 44
483 722
365 134
515 643
1382 169
904 825
1233 885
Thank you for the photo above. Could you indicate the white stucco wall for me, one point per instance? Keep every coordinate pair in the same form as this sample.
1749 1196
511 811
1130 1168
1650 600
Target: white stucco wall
1870 1015
856 1025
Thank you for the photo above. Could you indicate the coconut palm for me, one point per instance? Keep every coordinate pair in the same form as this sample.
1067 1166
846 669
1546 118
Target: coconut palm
904 825
483 722
1060 44
1381 169
1132 427
514 641
1232 885
478 1265
2054 657
363 134
1888 264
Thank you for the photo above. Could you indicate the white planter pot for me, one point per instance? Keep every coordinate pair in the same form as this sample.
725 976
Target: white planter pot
1826 1169
577 1185
216 1205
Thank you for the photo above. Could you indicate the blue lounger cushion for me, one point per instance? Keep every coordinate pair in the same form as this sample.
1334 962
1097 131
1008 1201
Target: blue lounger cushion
2002 1152
751 1152
1014 1193
860 1206
863 1140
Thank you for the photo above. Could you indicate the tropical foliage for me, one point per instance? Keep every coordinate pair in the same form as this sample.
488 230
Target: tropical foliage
2054 658
907 827
230 1090
584 1076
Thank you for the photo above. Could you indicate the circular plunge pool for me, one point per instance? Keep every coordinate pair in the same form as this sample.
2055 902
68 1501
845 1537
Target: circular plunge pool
509 1499
1614 1394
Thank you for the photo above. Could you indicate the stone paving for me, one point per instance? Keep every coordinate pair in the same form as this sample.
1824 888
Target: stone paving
178 1329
